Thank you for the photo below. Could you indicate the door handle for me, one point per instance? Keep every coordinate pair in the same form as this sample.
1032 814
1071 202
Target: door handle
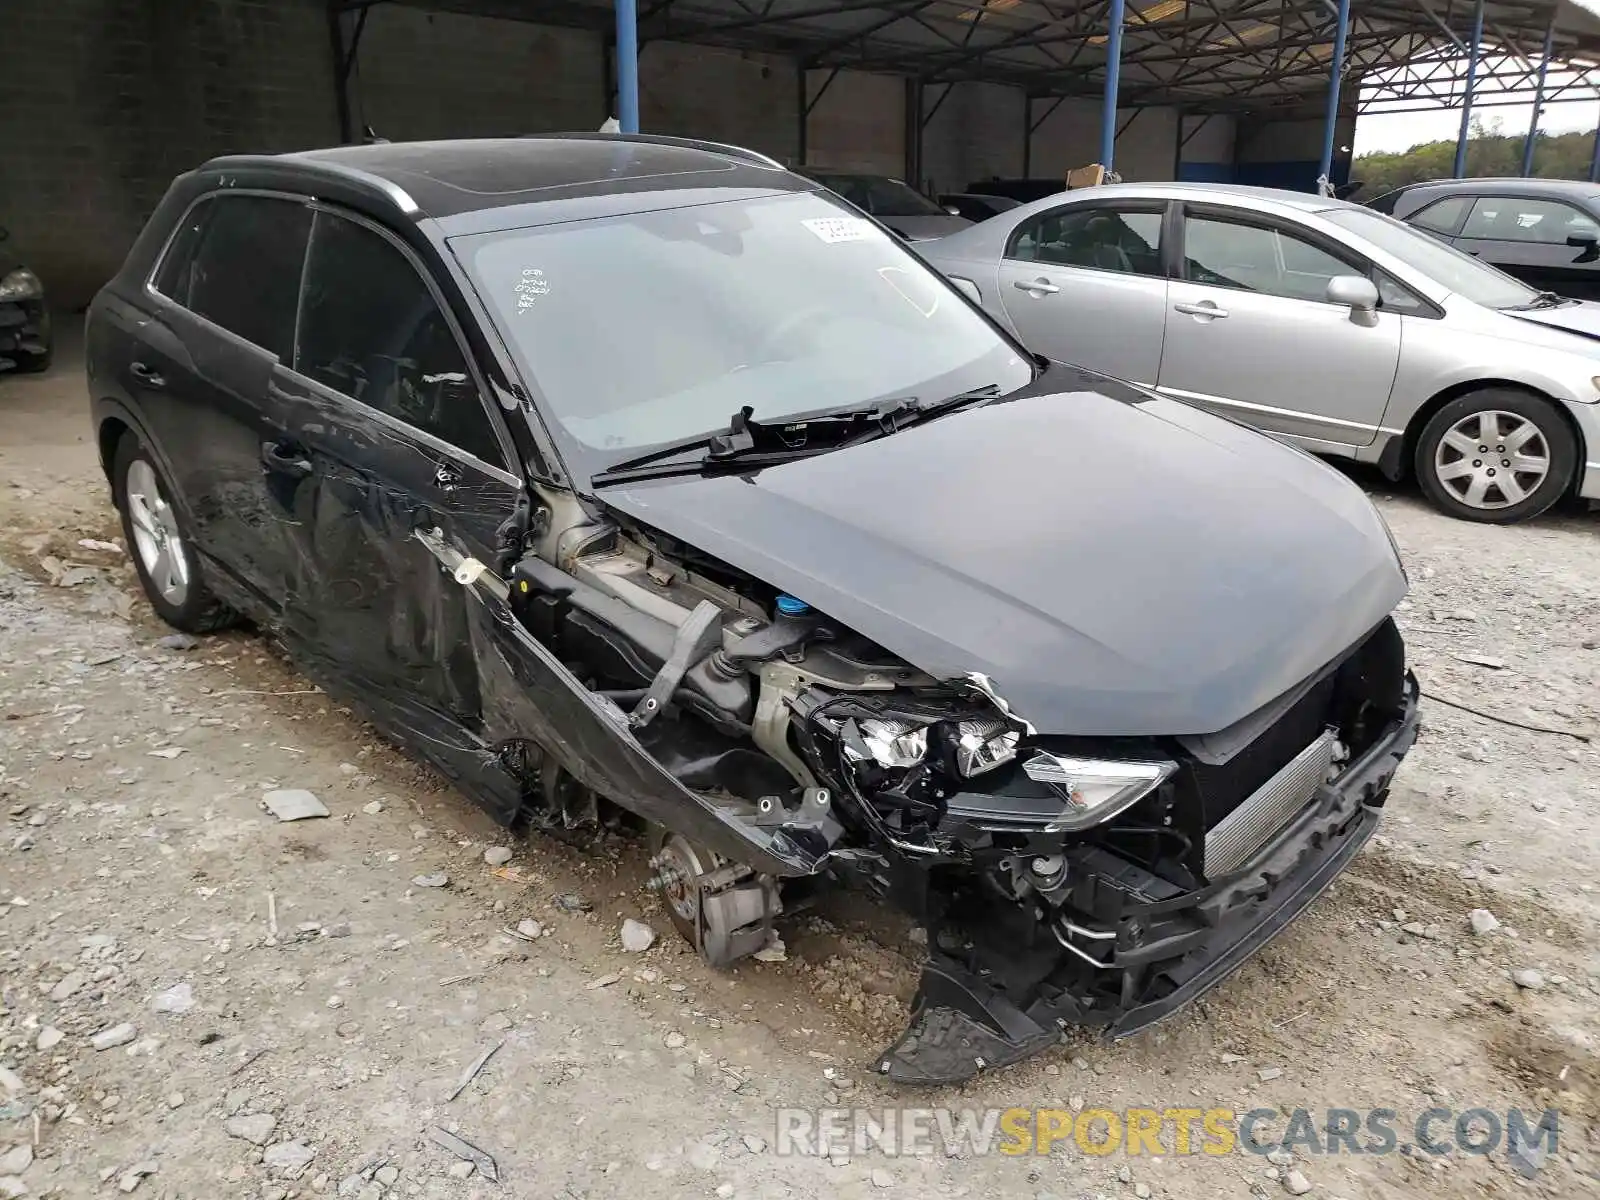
1204 308
146 375
285 458
446 478
1038 286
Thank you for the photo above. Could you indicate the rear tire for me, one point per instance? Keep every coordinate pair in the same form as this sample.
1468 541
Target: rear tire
1496 456
161 544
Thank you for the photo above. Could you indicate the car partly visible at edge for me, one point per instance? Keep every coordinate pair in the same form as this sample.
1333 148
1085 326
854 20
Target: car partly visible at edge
896 205
24 318
1322 322
639 480
1546 232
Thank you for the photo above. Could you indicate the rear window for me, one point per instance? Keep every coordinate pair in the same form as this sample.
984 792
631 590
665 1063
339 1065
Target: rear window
236 262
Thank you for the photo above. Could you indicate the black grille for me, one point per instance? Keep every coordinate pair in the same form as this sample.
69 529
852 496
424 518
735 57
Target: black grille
1225 786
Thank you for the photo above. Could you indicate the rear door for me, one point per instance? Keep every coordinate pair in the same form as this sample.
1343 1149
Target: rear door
1251 334
1533 239
1443 217
1085 284
202 373
385 412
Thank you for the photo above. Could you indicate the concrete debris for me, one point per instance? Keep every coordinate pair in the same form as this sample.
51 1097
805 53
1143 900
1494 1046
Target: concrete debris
437 880
605 980
1528 978
388 1175
294 804
773 952
529 928
134 1175
372 807
16 1160
1483 921
49 1038
1268 1074
473 1068
178 641
288 1158
1295 1183
68 986
460 1170
497 856
881 1178
637 937
675 1040
97 544
168 752
117 1035
177 1000
463 1149
254 1128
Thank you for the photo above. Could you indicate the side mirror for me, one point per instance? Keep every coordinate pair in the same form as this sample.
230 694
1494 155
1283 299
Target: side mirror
952 210
1589 243
1358 294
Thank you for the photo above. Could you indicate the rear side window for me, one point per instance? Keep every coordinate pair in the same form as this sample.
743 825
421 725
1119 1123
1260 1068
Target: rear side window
1442 216
236 262
371 329
1102 239
1542 222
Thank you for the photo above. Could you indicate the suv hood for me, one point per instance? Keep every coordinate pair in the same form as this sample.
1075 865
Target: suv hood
1116 562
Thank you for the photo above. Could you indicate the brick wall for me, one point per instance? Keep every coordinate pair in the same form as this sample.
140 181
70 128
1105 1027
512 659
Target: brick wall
975 133
734 96
102 102
433 75
859 124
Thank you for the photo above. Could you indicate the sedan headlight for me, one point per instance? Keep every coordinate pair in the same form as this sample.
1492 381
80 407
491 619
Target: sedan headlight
21 284
984 744
1095 789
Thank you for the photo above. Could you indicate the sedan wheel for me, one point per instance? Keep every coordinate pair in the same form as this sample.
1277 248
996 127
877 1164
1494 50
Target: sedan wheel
1496 456
1492 459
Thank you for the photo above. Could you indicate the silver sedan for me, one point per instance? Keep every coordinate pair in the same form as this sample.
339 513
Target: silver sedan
1330 325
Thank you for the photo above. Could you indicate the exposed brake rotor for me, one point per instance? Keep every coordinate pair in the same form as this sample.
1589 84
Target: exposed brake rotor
724 910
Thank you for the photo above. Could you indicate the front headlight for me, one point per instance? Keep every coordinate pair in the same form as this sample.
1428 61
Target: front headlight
21 284
1095 789
984 744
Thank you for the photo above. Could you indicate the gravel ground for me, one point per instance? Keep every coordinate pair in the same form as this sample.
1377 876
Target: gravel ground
287 1008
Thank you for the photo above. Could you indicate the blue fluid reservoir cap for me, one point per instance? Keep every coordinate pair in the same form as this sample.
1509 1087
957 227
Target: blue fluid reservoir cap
792 606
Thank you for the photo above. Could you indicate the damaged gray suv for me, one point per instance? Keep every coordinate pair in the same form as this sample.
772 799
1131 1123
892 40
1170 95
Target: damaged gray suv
640 480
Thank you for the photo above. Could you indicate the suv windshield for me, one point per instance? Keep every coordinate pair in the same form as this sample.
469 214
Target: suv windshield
1450 268
881 196
649 328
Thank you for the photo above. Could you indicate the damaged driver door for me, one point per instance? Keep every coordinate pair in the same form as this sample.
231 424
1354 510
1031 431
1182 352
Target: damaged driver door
385 421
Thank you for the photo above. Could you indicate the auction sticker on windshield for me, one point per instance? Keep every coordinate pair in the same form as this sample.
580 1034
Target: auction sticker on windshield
840 229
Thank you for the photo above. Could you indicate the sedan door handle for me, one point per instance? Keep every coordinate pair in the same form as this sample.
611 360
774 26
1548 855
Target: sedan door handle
1204 308
285 458
146 375
1039 286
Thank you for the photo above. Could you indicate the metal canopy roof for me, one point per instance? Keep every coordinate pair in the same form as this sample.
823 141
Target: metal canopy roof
1261 56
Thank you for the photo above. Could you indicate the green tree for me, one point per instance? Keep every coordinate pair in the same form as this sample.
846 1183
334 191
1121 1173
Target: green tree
1490 152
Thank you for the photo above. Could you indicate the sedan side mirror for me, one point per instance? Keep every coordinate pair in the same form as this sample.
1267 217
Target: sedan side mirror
1359 294
952 210
1587 242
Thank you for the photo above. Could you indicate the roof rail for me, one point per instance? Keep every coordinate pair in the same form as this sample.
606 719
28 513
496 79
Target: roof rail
389 190
662 139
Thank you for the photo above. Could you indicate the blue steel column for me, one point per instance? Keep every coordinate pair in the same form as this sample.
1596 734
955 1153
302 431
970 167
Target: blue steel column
1594 161
1538 99
1108 109
1472 78
1331 121
628 65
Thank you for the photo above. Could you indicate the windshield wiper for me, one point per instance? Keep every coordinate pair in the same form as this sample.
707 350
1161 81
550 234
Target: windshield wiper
748 444
1546 300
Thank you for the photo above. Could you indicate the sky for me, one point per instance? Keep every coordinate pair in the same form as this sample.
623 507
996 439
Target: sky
1401 131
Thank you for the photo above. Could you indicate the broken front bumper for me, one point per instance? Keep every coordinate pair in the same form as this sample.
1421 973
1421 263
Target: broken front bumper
1162 954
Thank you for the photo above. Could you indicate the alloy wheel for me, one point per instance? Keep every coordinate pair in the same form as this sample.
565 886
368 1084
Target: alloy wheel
1492 459
156 537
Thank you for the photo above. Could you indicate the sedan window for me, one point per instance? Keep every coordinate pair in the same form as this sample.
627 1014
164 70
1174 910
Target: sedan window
1542 222
236 262
1442 216
1103 239
371 329
1257 258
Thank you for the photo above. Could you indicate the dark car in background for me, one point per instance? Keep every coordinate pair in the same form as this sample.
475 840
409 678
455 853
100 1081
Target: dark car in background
975 206
641 481
24 319
896 205
1546 232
